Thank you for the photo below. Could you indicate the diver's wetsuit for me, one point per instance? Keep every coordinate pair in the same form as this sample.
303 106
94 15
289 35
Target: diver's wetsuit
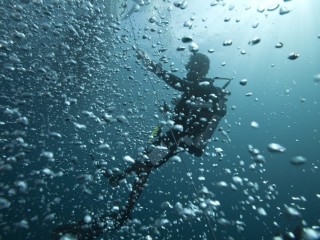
199 103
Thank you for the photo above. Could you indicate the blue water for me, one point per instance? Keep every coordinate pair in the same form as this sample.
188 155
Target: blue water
64 64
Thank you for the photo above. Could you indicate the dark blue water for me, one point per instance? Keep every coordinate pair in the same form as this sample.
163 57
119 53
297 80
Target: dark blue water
65 64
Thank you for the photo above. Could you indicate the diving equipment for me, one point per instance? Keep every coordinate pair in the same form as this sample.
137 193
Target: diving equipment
156 153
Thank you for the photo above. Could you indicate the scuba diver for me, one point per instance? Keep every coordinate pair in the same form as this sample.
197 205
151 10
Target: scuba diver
195 118
192 123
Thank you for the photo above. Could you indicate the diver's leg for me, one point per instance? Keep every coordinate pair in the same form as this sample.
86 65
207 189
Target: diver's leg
156 152
138 186
164 160
169 139
142 172
115 177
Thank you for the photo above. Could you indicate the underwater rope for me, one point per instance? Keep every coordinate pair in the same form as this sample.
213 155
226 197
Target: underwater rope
155 130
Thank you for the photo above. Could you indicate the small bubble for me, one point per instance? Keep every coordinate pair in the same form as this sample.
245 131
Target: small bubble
68 236
187 24
292 212
193 47
183 5
298 160
201 178
79 126
255 25
243 82
122 119
243 52
262 212
4 203
316 78
186 39
284 10
279 45
50 217
223 222
293 56
181 48
275 147
18 35
214 3
273 7
237 180
23 224
222 184
254 124
254 41
252 150
128 159
227 42
23 121
259 159
47 171
152 19
261 9
87 219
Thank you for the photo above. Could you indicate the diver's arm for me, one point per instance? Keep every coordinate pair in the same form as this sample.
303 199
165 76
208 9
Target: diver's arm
171 79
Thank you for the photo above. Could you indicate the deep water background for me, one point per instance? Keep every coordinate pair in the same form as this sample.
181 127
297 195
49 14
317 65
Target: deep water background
74 63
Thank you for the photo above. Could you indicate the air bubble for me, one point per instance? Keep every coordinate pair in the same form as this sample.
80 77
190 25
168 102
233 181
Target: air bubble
275 147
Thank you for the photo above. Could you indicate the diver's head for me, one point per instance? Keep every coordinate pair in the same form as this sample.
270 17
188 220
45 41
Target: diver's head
198 66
